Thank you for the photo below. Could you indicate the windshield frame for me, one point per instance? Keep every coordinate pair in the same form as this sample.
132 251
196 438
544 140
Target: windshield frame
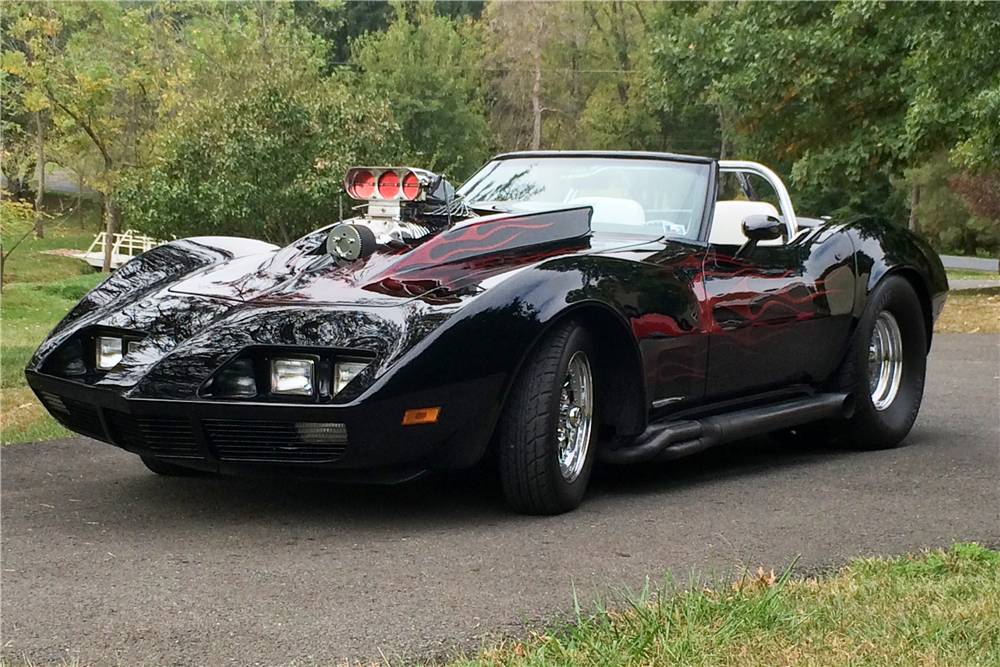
697 236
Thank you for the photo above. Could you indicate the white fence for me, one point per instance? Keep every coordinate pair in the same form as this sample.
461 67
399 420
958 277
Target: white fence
126 245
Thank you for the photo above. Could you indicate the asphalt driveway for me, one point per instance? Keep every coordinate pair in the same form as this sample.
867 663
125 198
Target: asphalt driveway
109 564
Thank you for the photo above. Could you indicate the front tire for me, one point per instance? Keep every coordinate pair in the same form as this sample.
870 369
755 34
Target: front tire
546 435
884 368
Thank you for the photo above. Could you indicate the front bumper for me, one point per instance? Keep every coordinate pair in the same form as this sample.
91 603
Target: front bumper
283 439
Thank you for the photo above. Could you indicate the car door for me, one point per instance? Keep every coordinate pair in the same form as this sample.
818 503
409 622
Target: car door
779 315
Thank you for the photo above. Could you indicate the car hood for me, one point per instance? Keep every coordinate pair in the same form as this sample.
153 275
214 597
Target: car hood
446 265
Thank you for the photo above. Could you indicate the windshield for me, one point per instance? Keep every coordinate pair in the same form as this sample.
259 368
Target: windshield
645 197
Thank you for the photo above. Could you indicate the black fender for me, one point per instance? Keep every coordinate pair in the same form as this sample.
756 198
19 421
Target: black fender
489 339
882 250
144 274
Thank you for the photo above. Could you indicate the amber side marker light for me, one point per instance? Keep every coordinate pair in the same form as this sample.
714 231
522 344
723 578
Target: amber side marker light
421 416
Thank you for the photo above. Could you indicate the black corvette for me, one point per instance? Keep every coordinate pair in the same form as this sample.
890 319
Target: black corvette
558 309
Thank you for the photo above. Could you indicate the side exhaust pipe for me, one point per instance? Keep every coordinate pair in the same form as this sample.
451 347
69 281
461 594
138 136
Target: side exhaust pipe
671 440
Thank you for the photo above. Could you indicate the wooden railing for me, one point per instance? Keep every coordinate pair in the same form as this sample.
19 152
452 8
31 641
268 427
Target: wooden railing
127 243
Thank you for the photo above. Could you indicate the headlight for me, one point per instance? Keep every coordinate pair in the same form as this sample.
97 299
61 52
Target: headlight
293 377
109 352
235 380
344 372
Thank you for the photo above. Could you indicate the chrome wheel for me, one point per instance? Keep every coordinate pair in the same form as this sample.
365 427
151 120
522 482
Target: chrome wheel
576 409
885 361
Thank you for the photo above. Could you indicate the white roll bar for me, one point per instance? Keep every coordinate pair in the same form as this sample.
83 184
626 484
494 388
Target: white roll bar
747 167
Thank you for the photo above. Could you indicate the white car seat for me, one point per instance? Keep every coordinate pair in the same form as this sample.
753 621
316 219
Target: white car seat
612 210
727 221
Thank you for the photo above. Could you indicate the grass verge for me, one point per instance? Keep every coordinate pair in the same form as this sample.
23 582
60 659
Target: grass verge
971 311
966 274
937 609
30 264
38 290
29 312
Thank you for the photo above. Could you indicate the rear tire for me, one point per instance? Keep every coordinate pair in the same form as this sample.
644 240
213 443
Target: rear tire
171 469
884 368
546 436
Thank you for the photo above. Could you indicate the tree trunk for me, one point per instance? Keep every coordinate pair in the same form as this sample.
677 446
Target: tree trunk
79 197
914 202
724 149
621 41
111 219
536 104
40 194
262 26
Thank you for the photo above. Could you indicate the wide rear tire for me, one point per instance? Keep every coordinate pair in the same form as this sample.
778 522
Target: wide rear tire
546 435
884 368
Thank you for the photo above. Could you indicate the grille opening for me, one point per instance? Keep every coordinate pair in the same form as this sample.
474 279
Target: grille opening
277 441
163 436
74 415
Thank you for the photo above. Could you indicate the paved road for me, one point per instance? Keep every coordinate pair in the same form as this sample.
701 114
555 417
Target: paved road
109 564
969 263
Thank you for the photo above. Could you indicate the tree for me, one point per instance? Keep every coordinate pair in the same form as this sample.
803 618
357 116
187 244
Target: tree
428 68
842 96
17 220
535 52
33 38
619 112
957 211
267 165
17 153
106 76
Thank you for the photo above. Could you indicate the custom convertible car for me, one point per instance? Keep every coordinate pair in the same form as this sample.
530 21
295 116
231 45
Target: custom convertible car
559 309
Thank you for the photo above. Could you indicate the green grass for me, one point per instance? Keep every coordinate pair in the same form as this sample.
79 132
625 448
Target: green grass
29 264
965 274
38 291
938 609
28 312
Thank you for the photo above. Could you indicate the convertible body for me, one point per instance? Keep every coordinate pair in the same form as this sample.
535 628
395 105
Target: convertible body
239 357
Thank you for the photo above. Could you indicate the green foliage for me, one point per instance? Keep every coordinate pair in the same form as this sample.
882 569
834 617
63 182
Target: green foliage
847 100
340 23
427 65
981 150
841 96
267 165
16 217
945 214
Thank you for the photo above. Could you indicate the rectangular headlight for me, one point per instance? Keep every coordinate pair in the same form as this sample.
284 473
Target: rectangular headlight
344 372
293 377
109 352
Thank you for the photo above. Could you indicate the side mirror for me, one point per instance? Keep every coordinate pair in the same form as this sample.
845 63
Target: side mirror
762 228
759 228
